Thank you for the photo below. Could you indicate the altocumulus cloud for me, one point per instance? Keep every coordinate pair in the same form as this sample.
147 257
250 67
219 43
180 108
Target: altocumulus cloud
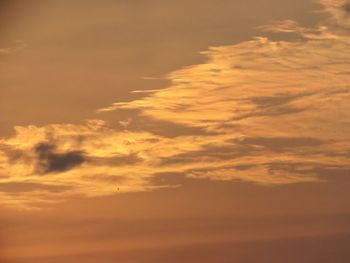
272 112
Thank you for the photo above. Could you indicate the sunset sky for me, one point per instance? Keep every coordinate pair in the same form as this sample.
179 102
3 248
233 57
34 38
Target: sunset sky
175 131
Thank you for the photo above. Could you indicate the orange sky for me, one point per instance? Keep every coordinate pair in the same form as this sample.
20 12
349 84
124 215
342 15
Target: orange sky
174 131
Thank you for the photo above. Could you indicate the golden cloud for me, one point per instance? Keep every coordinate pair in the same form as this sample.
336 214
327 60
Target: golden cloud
272 112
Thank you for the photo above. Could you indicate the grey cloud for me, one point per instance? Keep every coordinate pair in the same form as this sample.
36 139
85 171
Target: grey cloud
346 7
270 101
281 143
227 152
278 110
118 160
51 162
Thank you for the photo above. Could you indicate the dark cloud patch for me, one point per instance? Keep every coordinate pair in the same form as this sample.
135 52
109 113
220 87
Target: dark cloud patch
273 105
117 160
346 7
277 110
213 152
319 169
281 143
21 187
270 101
283 110
49 161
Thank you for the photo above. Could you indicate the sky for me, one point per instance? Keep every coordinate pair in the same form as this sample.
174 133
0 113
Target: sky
174 131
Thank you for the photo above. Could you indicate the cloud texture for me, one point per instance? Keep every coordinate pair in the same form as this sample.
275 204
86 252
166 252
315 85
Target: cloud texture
264 111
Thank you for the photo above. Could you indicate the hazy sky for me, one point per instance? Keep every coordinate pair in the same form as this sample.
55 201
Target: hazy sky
175 131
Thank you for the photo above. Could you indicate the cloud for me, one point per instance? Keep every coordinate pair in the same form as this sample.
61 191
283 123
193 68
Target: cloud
16 47
262 111
338 11
20 187
280 144
346 7
51 162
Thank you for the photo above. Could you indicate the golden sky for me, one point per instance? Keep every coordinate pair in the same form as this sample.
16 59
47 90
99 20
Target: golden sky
174 131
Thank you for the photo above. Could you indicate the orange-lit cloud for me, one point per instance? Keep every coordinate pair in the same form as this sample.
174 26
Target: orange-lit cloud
264 111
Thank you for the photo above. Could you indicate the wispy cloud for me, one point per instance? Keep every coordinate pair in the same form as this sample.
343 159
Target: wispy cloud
18 45
264 111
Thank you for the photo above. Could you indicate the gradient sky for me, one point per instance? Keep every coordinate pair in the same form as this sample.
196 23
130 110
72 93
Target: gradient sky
175 131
